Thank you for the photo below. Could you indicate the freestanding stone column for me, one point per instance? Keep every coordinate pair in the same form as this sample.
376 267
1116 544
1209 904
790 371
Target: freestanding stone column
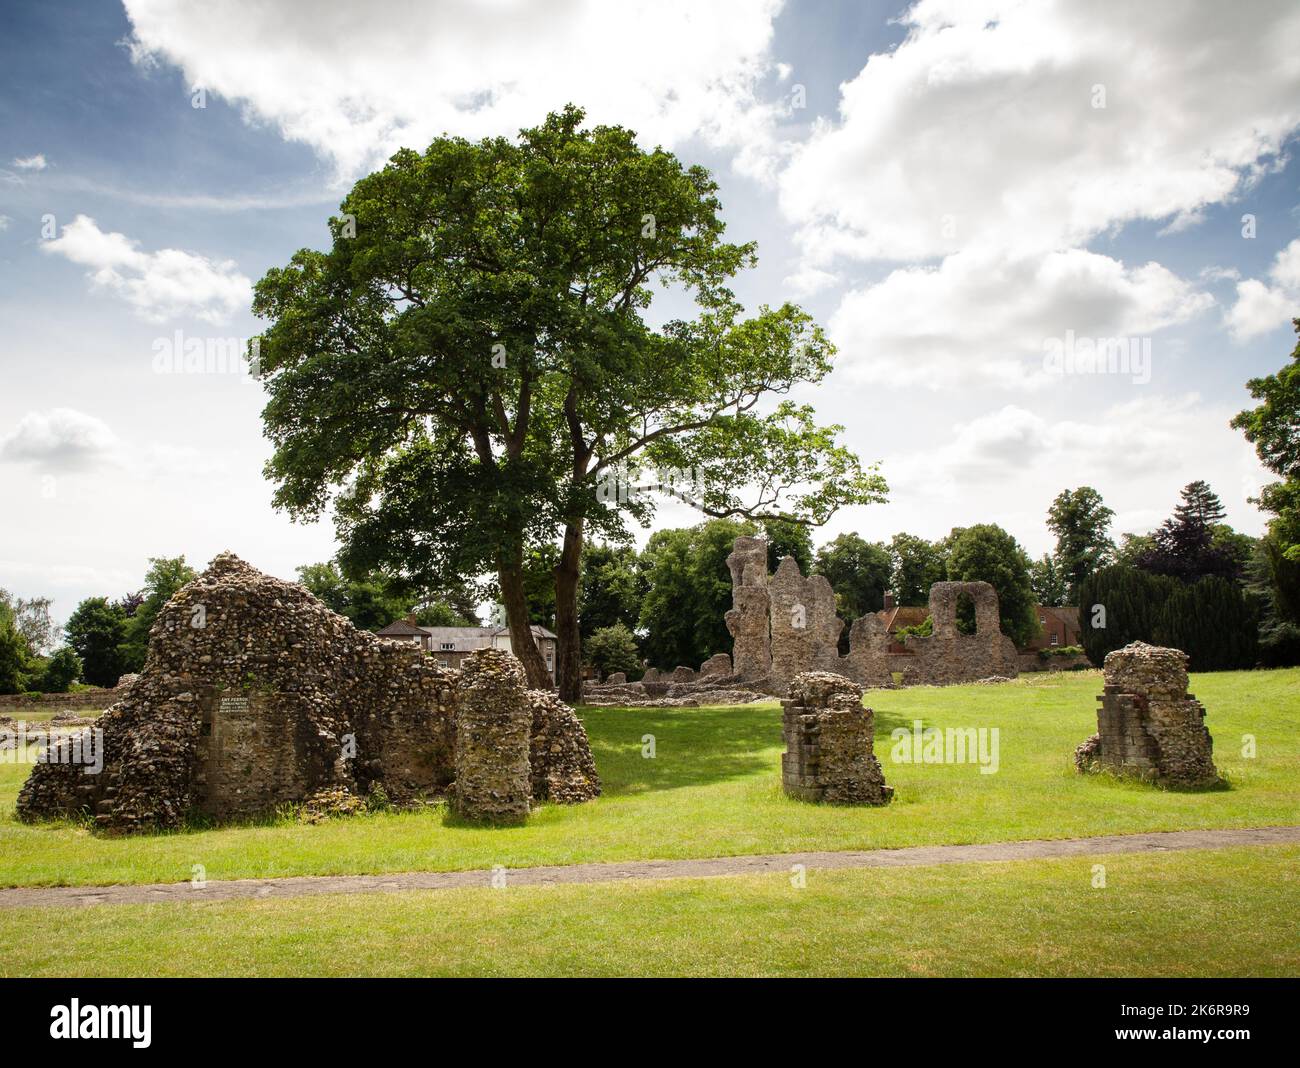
748 619
493 735
829 740
1148 725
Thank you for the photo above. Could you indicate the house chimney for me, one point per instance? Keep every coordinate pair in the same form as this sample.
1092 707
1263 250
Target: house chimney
889 600
411 618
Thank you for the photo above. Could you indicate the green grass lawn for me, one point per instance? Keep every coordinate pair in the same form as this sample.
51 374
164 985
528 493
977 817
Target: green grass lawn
1227 912
714 789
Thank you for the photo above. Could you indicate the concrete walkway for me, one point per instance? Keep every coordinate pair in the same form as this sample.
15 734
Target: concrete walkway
552 874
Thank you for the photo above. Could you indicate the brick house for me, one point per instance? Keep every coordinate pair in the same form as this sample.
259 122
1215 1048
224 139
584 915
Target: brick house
450 645
1060 627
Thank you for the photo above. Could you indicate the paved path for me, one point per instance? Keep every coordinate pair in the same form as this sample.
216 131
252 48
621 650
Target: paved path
616 871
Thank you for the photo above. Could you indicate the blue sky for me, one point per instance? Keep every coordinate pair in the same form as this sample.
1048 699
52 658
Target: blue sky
950 198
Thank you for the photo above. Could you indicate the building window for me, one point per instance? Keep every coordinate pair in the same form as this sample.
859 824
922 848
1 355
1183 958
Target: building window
1056 638
549 662
448 646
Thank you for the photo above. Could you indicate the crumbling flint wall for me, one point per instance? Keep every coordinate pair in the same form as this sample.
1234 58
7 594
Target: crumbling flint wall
1148 725
254 694
787 625
829 743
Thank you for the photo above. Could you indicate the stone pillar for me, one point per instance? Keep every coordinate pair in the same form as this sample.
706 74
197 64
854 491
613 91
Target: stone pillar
747 621
493 735
943 609
1148 725
829 738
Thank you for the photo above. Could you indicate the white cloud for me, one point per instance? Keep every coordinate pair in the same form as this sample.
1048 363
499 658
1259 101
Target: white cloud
1005 466
354 86
979 129
986 316
63 439
1264 306
4 223
31 163
159 285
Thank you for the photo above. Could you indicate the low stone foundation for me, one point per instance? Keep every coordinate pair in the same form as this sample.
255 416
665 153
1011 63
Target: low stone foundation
1148 725
829 740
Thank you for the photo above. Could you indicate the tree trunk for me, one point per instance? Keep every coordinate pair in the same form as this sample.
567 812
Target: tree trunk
522 644
568 668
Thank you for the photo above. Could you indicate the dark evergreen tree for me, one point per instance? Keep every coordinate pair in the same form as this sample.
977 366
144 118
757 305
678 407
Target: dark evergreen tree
1185 546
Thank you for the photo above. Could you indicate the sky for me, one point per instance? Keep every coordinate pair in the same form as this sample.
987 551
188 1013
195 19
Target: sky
966 194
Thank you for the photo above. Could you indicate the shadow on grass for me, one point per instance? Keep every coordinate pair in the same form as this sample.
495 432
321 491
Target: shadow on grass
691 746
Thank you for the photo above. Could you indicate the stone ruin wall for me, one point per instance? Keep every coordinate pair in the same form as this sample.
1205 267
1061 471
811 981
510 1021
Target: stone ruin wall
829 741
1148 725
948 656
787 625
254 695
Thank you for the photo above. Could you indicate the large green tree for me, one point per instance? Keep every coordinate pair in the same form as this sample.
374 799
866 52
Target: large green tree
165 576
916 565
468 369
859 573
688 592
1185 546
95 631
613 587
987 553
1050 583
611 649
1081 523
1273 427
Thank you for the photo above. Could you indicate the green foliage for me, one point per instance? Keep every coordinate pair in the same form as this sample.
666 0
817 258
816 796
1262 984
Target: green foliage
987 553
1130 599
859 573
924 629
1185 545
31 618
1081 523
1050 583
612 587
1133 547
95 631
1273 427
611 649
15 660
916 565
375 599
471 357
60 671
166 575
788 538
688 592
1211 621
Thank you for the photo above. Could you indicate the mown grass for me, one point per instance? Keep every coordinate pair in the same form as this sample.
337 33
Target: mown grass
713 788
1224 912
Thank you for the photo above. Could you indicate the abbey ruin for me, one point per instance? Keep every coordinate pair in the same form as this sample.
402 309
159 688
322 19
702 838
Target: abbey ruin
1148 725
254 695
787 624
